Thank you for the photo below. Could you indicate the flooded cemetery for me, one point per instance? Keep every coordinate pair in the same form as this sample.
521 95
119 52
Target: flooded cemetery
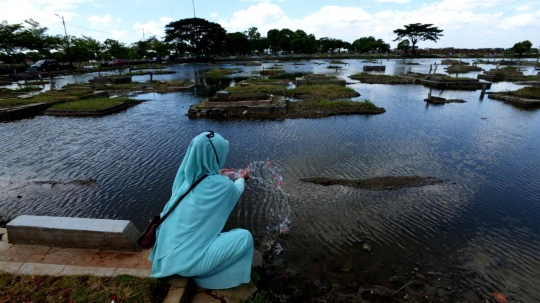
399 172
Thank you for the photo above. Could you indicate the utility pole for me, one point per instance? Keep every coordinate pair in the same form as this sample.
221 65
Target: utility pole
67 40
143 35
193 2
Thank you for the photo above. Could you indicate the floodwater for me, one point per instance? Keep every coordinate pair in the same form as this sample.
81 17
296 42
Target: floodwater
484 218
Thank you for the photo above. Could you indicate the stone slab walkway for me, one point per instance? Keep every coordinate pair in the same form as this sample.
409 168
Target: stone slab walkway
46 260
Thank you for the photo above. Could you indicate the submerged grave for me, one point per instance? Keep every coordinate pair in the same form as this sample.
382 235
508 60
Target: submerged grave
527 96
508 73
446 82
319 79
374 68
247 101
377 183
227 104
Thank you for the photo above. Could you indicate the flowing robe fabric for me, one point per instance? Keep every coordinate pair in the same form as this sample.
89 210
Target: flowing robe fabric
190 242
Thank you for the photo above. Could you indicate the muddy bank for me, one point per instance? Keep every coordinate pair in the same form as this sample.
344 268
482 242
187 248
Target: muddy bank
378 183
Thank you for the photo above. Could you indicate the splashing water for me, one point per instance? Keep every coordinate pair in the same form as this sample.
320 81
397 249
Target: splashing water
271 202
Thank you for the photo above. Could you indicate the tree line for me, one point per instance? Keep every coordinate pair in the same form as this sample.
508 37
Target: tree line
194 36
199 38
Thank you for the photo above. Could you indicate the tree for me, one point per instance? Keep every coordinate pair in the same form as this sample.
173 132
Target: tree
237 44
115 49
272 38
303 43
285 38
522 47
255 39
38 40
13 39
404 46
370 44
330 45
197 36
418 32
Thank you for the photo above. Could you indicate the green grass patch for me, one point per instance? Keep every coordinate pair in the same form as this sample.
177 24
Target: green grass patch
80 289
379 79
220 72
324 91
526 92
45 97
148 66
267 89
323 103
334 67
411 63
91 104
110 86
272 72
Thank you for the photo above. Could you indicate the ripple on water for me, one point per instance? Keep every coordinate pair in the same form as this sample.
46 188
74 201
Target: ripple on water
485 217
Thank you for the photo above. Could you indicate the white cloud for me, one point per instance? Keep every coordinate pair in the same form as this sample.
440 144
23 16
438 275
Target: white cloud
523 8
461 20
395 1
118 34
100 21
255 15
43 11
213 15
152 27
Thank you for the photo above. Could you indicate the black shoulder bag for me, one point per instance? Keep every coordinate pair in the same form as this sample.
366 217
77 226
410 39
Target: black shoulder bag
148 237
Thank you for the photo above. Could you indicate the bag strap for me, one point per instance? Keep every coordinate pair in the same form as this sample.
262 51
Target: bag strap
179 200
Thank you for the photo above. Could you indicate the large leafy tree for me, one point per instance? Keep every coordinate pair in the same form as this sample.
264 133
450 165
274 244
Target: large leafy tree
197 36
256 42
330 45
116 49
38 40
404 46
522 47
14 39
237 44
418 32
272 38
303 43
370 44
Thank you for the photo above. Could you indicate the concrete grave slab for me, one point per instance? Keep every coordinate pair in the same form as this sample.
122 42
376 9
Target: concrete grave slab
114 235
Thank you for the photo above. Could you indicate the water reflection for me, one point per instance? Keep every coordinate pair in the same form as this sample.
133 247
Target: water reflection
484 218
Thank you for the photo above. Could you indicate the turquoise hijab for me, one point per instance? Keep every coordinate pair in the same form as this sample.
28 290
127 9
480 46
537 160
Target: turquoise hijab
200 159
201 215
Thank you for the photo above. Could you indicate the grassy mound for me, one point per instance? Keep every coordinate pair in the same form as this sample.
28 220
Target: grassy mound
91 104
79 289
324 91
526 92
220 72
379 79
266 89
325 108
272 72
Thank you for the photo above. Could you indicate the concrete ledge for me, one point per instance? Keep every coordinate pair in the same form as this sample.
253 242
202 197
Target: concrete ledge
116 235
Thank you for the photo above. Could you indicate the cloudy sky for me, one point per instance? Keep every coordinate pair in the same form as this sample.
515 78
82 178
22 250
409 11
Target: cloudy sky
466 23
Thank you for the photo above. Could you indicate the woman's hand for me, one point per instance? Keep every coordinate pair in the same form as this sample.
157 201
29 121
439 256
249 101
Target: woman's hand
224 171
244 174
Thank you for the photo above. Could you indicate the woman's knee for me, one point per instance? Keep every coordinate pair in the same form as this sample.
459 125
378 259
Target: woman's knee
246 237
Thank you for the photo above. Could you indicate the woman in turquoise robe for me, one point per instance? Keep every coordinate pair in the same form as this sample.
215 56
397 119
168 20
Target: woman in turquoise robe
190 242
